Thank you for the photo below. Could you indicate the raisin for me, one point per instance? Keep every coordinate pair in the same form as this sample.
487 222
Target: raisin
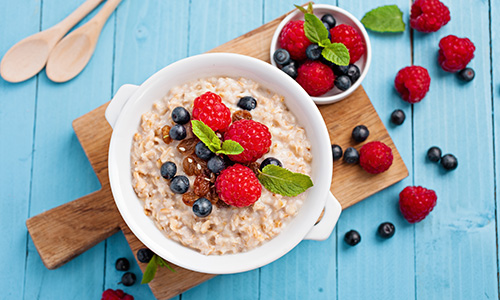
241 114
189 198
201 185
193 165
212 195
186 147
165 134
254 166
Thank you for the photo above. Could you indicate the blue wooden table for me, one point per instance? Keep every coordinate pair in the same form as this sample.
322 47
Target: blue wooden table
452 254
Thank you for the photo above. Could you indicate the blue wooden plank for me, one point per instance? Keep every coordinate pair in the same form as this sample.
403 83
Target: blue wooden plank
17 113
456 252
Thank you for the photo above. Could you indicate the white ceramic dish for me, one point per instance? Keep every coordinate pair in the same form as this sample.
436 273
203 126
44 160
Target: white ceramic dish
124 113
342 17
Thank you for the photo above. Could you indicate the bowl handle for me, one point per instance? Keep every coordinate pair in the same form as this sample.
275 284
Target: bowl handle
322 230
115 106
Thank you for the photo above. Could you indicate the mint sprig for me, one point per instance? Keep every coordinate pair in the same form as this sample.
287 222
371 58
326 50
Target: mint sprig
212 141
284 182
388 18
152 267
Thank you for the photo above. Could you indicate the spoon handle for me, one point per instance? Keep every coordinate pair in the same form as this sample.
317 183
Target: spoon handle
102 16
76 16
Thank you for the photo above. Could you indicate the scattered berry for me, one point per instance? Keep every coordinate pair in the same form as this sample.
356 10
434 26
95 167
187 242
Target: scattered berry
209 109
386 230
351 156
293 39
360 133
375 157
449 162
110 294
180 115
253 136
398 117
238 186
412 83
329 19
128 279
202 151
281 57
168 170
178 132
353 72
416 202
179 184
343 82
313 51
455 53
351 38
352 238
122 264
290 70
247 103
466 74
337 152
270 161
434 154
315 77
428 15
144 255
202 207
216 164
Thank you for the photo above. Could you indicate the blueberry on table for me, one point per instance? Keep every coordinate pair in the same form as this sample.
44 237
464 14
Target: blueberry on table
216 164
122 264
178 132
202 207
128 279
434 154
313 51
168 170
329 19
337 152
466 74
352 238
281 57
351 156
144 255
179 184
449 162
180 115
360 133
386 230
202 151
343 82
290 70
398 117
247 103
353 73
270 161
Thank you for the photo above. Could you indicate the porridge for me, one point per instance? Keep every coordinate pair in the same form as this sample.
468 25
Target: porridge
227 228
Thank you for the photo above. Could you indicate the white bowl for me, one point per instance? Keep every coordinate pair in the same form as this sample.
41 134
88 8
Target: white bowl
342 17
124 113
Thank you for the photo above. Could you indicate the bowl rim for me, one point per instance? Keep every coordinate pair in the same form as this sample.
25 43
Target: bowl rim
335 98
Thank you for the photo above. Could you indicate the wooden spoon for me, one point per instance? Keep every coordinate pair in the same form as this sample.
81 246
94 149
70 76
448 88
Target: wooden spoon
74 51
28 57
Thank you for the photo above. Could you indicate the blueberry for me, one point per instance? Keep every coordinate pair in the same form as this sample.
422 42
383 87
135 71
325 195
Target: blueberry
398 117
122 264
343 82
313 52
179 184
329 19
337 152
352 238
360 133
270 161
325 61
202 207
128 279
178 132
290 70
386 230
144 255
339 70
180 115
434 154
168 170
202 151
466 74
353 72
281 57
247 103
216 164
351 155
449 162
327 26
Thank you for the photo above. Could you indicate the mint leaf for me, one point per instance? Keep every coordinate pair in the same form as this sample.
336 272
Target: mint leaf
163 263
302 9
230 147
325 43
388 18
150 271
314 29
206 135
337 53
284 182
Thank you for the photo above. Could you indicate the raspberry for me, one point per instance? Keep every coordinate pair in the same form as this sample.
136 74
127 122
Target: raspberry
315 77
293 39
238 186
416 202
428 15
209 109
455 53
348 36
375 157
254 137
110 294
412 83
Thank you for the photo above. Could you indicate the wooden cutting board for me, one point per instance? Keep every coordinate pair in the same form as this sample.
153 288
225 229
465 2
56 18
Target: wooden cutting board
64 232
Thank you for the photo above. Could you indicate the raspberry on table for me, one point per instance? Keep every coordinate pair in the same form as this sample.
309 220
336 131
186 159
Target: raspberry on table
110 294
238 186
315 78
416 202
209 109
351 38
293 39
429 15
455 53
253 136
375 157
412 83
